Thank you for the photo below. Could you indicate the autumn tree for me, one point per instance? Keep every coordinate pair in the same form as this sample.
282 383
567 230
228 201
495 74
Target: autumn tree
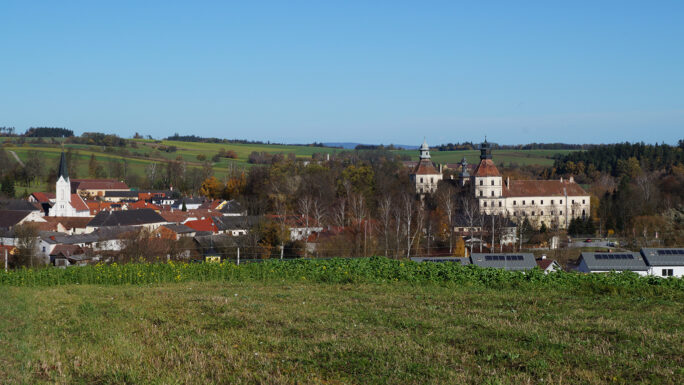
211 188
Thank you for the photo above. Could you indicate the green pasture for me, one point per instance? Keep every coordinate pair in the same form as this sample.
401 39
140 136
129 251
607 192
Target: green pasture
371 321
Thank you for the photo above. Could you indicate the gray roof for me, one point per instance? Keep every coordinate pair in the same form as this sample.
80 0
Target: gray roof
614 261
232 207
508 261
462 261
121 194
179 229
664 257
10 218
237 222
126 218
19 205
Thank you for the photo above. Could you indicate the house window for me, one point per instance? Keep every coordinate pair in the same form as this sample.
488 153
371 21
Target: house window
561 201
481 182
561 212
523 203
541 213
542 202
421 180
499 204
532 213
583 213
582 201
532 203
551 201
515 213
492 193
432 180
492 183
514 203
485 204
573 201
668 272
480 193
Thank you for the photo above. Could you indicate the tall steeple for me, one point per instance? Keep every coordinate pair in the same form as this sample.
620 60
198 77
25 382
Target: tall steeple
485 150
424 151
63 170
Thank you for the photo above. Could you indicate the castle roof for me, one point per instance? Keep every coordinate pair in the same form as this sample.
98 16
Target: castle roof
425 167
541 188
486 168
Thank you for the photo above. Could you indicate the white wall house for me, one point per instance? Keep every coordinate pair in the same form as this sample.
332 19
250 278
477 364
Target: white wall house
607 262
664 262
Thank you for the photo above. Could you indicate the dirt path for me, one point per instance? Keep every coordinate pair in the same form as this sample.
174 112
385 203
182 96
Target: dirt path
16 157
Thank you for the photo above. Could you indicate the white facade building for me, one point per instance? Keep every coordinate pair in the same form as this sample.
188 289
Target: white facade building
425 176
664 262
552 202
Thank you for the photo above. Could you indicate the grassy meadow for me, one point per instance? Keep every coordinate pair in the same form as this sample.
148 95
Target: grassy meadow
318 333
367 321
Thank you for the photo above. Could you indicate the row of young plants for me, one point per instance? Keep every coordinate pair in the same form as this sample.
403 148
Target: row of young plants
338 270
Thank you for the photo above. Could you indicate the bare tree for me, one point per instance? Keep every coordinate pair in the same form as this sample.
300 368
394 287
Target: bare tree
447 202
471 215
385 211
305 207
340 213
413 217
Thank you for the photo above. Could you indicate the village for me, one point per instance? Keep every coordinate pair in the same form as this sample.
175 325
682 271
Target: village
89 221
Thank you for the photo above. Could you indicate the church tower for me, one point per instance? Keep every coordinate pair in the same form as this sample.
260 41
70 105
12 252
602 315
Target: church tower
62 206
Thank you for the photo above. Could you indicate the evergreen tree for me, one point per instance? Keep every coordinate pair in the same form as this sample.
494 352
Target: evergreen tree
8 186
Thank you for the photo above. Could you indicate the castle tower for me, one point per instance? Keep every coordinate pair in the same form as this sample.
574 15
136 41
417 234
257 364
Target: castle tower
425 176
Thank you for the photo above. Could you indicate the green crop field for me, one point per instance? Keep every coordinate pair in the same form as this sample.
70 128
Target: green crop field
337 322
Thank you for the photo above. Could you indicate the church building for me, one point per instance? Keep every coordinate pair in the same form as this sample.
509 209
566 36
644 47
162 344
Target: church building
552 202
67 204
425 176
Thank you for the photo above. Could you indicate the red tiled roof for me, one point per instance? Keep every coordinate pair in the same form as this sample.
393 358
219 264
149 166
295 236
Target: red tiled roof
544 263
206 224
143 205
98 184
43 197
486 168
67 250
425 167
78 203
542 188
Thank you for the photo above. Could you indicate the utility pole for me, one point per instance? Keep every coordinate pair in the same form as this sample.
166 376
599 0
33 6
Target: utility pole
5 260
238 256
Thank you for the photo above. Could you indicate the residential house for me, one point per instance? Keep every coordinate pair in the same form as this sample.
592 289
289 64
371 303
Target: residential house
664 262
548 265
602 262
506 261
147 218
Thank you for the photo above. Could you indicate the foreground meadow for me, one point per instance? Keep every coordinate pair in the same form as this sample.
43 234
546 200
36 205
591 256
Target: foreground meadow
267 332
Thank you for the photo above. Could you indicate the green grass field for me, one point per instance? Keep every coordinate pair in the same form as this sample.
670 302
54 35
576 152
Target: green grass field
339 321
317 333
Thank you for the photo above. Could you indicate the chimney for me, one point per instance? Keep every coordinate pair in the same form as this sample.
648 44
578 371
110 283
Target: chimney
561 179
572 179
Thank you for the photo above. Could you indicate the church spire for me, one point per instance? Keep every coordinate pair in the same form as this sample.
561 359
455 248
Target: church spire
63 171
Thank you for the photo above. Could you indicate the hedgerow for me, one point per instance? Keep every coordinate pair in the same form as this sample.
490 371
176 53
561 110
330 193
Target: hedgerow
338 270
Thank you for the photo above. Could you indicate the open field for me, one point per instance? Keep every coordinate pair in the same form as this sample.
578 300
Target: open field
316 333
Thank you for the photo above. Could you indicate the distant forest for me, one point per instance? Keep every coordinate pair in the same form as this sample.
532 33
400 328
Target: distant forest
39 132
531 146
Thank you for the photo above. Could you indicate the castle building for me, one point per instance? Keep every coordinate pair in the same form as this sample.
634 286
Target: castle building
425 176
67 204
552 202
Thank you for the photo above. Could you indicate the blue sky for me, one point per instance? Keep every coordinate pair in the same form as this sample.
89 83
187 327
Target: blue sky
357 71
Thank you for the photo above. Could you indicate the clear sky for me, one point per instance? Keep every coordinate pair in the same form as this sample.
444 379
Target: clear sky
357 71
